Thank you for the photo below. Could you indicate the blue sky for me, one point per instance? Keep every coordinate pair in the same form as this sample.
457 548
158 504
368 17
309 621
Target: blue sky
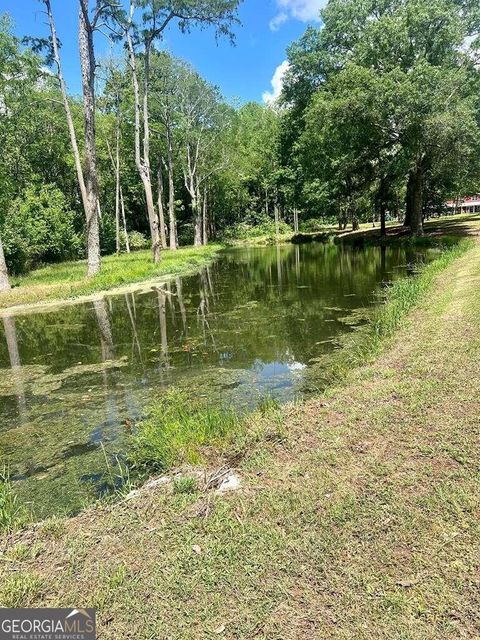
244 71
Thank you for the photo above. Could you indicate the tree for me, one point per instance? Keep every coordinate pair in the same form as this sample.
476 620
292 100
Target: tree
55 55
157 16
19 73
87 28
113 95
409 62
200 122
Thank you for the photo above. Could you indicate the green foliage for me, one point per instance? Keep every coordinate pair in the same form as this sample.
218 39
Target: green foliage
176 430
137 241
383 91
39 228
249 231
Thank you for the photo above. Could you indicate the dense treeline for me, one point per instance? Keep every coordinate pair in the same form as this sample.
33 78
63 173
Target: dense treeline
379 117
383 108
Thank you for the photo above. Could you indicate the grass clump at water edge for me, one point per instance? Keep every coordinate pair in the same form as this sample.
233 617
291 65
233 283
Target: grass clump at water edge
177 430
11 513
403 295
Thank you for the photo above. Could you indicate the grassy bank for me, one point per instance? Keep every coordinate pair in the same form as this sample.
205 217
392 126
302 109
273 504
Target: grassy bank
357 516
67 280
366 233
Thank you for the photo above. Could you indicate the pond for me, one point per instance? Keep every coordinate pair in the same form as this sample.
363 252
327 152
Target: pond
75 378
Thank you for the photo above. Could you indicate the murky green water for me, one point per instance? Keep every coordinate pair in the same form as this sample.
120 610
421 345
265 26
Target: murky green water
248 326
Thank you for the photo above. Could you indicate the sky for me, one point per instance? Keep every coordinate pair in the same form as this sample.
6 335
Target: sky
250 70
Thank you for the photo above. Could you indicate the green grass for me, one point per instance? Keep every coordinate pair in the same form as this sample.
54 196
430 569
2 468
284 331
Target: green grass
185 485
357 515
399 299
177 430
67 280
19 590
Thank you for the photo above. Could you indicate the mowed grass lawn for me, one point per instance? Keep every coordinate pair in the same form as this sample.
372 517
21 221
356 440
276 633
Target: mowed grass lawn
68 280
358 517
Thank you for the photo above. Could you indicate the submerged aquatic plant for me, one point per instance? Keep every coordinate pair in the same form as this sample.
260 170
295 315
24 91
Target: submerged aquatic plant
11 513
118 475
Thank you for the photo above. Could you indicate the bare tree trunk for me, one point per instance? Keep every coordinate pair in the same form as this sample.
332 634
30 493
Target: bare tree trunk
117 190
4 281
146 172
87 59
161 206
66 104
143 160
119 202
124 220
295 220
171 194
197 212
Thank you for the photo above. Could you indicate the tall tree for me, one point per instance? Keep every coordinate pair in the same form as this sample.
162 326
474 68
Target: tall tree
157 15
55 55
400 70
87 28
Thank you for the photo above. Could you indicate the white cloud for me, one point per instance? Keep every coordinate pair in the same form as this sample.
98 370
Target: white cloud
304 10
269 97
278 20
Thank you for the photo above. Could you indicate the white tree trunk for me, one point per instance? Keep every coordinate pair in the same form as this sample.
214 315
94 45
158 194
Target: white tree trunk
142 160
205 217
171 194
161 206
117 190
87 60
66 104
4 281
197 213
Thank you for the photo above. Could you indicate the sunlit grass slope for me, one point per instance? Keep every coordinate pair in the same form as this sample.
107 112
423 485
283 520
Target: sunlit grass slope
67 279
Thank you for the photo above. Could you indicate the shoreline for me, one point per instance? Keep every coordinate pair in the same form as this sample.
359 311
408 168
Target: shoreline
196 258
340 482
194 261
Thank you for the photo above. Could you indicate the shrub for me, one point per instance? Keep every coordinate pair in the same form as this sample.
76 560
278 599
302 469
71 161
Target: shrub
136 240
39 228
245 230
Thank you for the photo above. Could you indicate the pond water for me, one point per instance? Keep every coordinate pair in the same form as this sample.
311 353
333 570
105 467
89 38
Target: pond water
73 379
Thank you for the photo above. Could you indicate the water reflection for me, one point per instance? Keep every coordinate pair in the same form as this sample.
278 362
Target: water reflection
248 326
